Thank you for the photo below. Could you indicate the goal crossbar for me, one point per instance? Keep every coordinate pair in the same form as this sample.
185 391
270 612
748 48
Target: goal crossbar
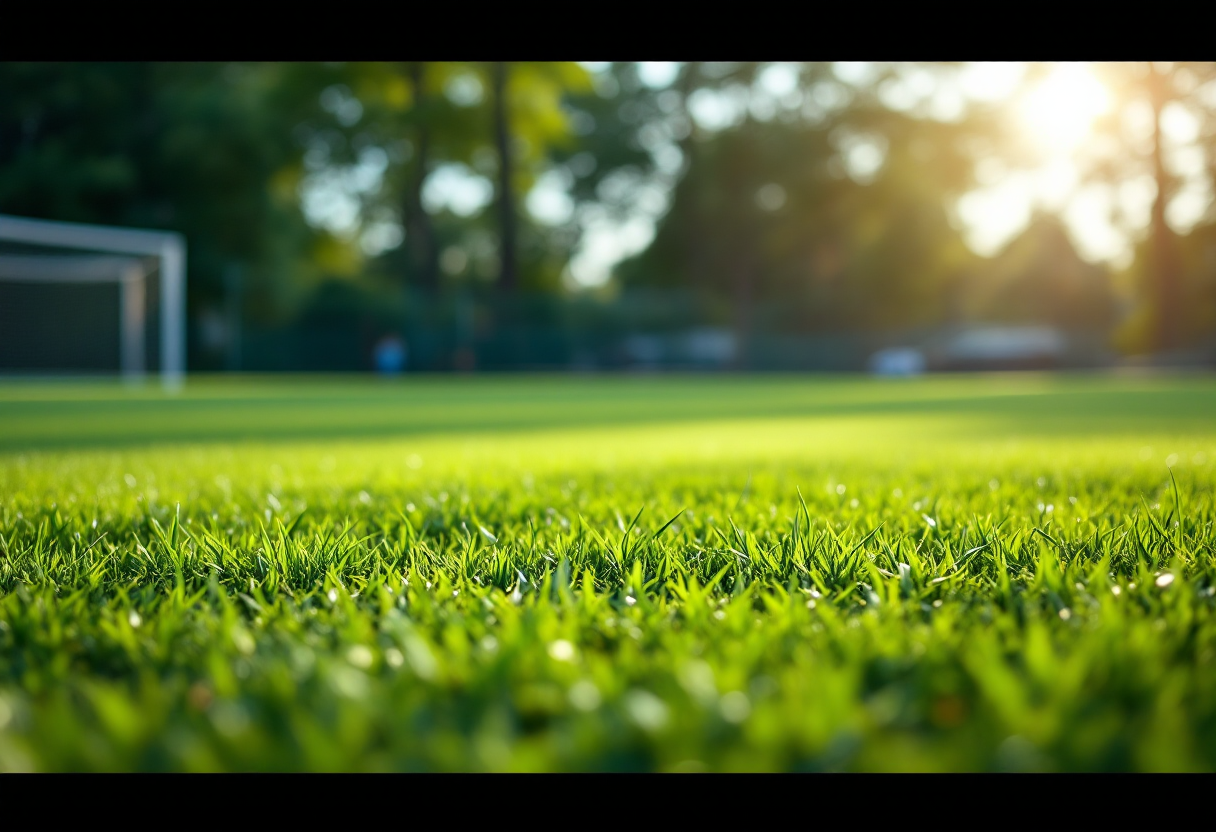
129 272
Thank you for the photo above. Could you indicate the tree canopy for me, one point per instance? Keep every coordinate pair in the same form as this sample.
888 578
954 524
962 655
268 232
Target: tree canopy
816 204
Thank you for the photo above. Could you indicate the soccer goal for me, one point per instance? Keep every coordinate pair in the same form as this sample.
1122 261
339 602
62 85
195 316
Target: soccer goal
91 299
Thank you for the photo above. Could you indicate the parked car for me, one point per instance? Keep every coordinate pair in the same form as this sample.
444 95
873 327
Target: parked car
898 361
1002 348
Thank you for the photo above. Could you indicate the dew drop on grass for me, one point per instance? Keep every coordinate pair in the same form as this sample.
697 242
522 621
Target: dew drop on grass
630 600
360 656
349 683
646 710
229 718
243 642
584 696
1065 614
689 767
134 619
840 489
561 650
1165 579
394 657
697 677
735 707
1018 754
1116 591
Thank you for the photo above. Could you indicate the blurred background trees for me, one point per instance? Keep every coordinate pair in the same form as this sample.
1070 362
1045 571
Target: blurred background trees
540 214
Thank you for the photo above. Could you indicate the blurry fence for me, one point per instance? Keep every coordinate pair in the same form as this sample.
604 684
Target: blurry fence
638 330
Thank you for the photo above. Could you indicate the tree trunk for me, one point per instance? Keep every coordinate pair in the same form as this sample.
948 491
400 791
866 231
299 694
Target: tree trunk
508 279
420 235
744 310
1164 272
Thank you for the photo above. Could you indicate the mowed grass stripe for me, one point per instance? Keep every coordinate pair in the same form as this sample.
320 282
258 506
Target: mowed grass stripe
35 416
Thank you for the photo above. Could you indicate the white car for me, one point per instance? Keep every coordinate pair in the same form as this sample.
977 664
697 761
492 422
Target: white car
1011 347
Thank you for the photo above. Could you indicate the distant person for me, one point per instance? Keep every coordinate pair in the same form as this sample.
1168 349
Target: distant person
390 355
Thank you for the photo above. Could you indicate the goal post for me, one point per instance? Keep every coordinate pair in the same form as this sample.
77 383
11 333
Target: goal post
120 256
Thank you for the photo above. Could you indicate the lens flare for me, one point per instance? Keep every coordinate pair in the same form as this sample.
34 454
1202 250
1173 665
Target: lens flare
1059 111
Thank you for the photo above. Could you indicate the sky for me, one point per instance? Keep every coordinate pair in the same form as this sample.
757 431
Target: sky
1053 116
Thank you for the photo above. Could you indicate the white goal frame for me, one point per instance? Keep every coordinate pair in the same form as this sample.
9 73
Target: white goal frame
130 272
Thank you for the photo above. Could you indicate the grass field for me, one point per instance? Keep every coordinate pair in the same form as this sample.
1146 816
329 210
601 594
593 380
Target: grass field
652 573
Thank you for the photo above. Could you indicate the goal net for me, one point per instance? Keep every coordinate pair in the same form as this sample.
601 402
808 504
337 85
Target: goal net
87 299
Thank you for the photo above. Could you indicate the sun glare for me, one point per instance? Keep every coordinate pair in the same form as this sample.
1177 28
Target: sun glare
1060 110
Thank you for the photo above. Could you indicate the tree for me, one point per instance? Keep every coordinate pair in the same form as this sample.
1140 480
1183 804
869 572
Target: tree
203 148
506 192
1039 278
833 220
473 116
1162 86
418 227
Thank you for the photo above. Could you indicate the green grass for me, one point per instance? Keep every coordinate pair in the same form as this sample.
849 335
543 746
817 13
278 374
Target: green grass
713 573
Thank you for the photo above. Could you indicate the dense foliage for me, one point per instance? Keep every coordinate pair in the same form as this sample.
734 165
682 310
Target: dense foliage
832 202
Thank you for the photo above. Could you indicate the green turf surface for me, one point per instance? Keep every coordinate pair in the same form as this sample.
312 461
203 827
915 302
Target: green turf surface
961 573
